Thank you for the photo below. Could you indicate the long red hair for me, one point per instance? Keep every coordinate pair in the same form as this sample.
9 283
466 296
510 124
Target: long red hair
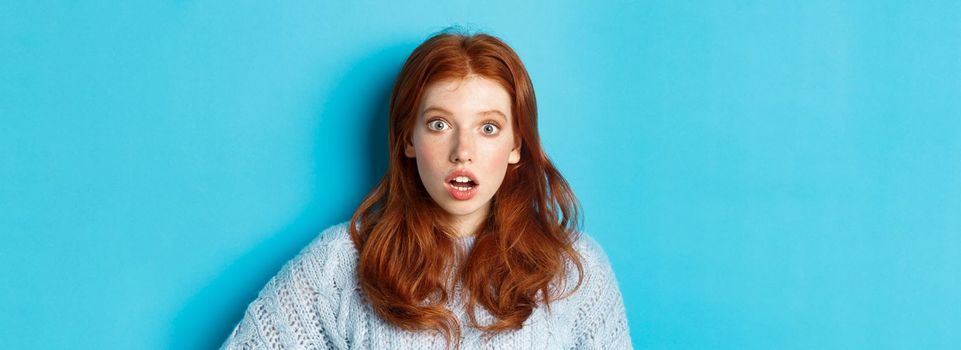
406 244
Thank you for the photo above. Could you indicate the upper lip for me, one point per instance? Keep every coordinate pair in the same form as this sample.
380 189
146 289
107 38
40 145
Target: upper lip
461 172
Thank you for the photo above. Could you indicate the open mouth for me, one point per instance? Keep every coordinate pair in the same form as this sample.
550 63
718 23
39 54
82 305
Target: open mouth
462 183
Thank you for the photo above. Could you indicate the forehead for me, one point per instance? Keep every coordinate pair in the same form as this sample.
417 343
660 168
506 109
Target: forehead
468 96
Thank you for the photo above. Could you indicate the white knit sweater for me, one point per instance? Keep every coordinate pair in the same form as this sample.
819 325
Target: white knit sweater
315 302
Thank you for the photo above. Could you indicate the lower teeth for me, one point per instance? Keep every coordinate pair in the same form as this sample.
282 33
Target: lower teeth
462 188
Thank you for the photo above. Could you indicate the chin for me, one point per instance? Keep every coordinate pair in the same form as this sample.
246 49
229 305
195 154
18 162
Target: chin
459 209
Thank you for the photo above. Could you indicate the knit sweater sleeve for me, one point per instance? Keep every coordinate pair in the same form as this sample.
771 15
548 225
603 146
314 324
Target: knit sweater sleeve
306 304
600 322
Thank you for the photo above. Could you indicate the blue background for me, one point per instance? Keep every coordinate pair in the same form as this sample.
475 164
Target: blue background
762 176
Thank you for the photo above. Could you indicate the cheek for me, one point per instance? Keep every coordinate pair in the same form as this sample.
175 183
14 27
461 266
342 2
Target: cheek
498 158
430 156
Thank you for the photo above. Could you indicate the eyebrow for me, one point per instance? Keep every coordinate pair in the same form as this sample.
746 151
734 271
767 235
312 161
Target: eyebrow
444 111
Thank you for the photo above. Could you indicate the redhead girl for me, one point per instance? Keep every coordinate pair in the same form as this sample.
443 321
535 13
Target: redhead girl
469 241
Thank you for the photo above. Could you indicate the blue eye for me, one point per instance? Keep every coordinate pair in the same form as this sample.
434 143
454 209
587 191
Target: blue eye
490 129
437 125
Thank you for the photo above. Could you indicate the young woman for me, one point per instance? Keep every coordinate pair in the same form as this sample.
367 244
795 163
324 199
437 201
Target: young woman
469 241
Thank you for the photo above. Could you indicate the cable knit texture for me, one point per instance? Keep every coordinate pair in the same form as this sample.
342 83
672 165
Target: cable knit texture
315 302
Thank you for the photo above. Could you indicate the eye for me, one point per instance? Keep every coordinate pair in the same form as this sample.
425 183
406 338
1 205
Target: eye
437 125
490 129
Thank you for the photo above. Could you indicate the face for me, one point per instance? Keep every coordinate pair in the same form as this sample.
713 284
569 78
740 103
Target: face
463 143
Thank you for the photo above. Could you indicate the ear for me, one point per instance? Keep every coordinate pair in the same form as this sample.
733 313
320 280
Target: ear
409 150
515 155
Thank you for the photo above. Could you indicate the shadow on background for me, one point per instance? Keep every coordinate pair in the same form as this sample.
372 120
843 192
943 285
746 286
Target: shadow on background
362 96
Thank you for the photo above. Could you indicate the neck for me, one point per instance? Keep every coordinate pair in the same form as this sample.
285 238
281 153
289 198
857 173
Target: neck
467 225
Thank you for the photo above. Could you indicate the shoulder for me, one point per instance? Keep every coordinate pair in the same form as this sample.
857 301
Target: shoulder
335 240
593 256
312 299
595 270
598 319
328 263
598 275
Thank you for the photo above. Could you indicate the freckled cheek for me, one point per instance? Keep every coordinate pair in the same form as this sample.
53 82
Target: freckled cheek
497 157
432 157
500 158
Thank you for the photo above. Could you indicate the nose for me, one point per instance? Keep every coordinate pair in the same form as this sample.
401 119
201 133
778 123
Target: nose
463 148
